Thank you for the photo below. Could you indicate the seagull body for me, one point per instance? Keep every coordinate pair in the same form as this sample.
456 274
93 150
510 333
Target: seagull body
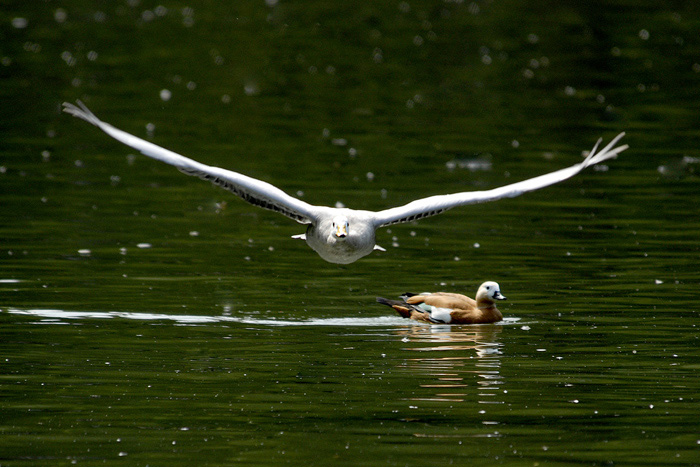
338 235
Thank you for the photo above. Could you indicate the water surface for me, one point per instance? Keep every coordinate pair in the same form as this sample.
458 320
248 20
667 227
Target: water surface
149 318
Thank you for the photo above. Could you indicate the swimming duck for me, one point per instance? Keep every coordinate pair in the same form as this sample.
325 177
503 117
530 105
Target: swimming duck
450 308
338 235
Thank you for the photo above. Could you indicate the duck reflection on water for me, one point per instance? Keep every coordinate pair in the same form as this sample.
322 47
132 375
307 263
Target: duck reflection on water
459 363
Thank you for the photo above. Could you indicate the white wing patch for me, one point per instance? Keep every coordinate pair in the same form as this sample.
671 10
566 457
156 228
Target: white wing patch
440 315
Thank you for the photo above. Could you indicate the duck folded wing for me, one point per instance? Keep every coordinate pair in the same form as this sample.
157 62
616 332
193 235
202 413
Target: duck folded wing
443 300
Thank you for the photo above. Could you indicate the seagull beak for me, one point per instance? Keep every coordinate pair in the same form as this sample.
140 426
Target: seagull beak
498 296
341 230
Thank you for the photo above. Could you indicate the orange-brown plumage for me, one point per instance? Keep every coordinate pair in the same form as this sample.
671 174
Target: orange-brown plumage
452 308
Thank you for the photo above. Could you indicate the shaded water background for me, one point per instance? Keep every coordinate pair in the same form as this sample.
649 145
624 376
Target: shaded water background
148 318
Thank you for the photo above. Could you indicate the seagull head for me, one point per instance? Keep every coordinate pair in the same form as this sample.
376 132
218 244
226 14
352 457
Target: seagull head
340 227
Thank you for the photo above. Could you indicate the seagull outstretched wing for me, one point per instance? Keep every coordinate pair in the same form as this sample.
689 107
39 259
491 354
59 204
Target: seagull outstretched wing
434 205
254 191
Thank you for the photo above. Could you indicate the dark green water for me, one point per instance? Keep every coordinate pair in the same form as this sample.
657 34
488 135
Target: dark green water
147 318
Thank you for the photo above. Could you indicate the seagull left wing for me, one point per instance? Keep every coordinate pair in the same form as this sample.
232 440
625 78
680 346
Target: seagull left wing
254 191
436 204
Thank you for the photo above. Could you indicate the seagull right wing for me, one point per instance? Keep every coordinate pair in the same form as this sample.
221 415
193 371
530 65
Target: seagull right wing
434 205
254 191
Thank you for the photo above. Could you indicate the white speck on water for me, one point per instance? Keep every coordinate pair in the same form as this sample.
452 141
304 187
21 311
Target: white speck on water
251 89
84 252
143 245
477 245
194 233
525 328
658 281
60 15
339 205
19 23
165 95
644 35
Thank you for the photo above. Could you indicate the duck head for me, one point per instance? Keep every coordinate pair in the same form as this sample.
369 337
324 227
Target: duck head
489 292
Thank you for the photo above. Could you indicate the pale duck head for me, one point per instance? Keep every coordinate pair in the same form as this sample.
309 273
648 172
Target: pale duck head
489 291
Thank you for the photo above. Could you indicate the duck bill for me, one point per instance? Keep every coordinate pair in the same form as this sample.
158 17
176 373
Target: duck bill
498 296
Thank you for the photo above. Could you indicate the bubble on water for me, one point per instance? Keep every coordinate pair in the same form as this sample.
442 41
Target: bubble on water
165 95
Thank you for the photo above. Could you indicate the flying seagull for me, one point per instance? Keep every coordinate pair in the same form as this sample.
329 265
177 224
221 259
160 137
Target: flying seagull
338 235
